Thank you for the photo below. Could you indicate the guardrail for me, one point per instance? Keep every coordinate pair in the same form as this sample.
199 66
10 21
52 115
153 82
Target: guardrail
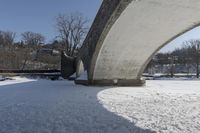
30 71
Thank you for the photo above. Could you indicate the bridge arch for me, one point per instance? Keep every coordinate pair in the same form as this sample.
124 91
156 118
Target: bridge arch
134 34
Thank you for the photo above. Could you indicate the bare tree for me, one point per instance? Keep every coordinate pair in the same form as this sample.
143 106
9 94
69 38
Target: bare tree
7 55
33 39
193 47
32 43
1 38
7 38
72 30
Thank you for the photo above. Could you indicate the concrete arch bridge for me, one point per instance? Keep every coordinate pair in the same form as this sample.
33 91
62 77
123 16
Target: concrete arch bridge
127 33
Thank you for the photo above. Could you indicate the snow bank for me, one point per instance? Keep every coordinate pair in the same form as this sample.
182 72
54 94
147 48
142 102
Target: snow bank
162 106
15 80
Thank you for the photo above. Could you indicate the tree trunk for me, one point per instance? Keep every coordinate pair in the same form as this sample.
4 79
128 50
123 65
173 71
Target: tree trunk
24 64
197 74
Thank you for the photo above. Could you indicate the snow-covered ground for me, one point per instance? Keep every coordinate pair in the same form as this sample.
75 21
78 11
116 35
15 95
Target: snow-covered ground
43 106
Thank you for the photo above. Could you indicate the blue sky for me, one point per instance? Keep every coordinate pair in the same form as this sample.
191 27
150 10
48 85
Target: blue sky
177 43
39 15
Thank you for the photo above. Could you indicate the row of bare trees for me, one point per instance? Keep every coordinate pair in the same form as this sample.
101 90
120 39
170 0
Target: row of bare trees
15 55
187 55
71 29
7 38
192 53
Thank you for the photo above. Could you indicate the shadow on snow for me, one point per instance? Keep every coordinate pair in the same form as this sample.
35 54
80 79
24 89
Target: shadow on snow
58 107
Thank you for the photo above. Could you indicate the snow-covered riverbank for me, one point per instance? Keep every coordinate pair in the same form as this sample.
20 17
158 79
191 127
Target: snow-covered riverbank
43 106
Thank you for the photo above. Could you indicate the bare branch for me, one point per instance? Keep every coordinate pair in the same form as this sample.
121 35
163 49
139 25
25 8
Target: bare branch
72 30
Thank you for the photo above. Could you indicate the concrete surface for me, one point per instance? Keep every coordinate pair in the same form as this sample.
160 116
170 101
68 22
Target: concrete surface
136 30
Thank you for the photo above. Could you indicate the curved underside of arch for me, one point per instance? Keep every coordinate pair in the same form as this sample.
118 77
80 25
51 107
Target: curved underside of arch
142 29
127 33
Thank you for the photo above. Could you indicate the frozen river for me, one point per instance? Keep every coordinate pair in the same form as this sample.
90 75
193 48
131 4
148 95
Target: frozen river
43 106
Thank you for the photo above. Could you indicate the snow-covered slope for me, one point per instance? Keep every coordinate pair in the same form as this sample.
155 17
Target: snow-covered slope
44 106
